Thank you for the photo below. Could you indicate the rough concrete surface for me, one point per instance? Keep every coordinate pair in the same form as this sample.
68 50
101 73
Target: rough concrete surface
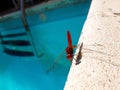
100 63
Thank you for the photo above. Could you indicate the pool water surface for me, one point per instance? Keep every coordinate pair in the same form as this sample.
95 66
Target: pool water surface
49 33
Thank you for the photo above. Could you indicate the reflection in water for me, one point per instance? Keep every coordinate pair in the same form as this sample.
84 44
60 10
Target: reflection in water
43 17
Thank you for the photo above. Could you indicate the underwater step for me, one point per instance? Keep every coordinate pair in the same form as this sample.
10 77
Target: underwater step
18 53
13 35
16 42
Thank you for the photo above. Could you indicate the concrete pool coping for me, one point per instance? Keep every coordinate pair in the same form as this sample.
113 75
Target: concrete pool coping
100 63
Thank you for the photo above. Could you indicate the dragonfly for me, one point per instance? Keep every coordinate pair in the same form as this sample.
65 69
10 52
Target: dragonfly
69 51
69 48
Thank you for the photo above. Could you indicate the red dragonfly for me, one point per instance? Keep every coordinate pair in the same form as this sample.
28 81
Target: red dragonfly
69 49
69 52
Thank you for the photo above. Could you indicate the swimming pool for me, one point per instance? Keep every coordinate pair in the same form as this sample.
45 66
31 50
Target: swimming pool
49 35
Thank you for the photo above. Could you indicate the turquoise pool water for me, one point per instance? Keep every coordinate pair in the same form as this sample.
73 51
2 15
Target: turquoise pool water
49 35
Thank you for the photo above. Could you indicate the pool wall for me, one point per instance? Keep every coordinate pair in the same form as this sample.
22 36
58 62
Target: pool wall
43 7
